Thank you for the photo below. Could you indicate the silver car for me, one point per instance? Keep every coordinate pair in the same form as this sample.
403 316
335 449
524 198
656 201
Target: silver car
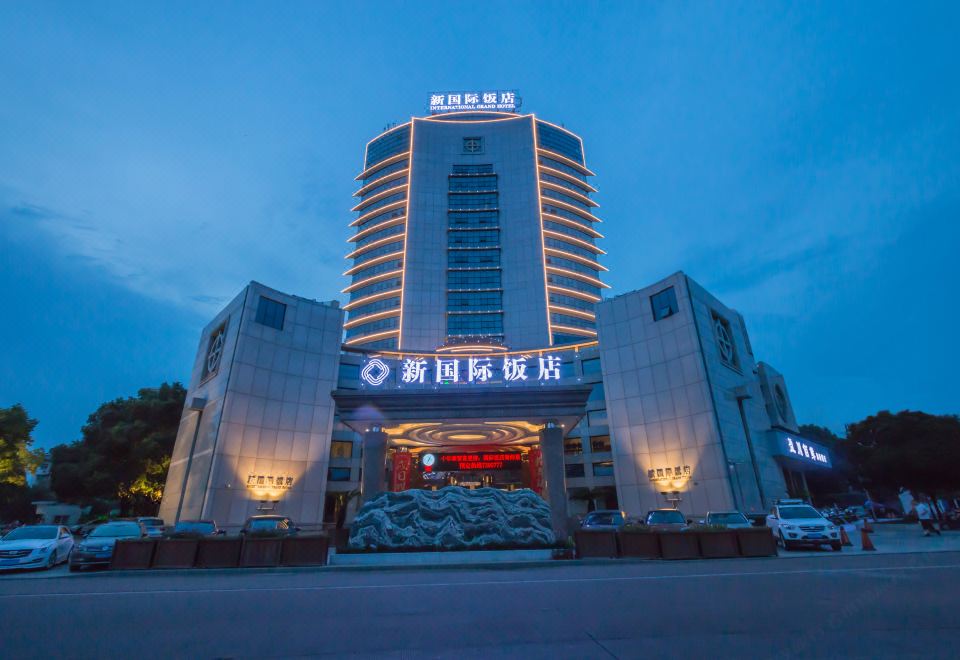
728 519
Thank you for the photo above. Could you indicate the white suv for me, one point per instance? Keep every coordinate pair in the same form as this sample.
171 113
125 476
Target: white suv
795 523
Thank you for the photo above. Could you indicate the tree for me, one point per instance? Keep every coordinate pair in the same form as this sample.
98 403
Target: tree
825 483
16 459
124 452
910 449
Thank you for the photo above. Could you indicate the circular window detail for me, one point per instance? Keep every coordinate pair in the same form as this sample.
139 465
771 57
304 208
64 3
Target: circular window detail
780 399
215 353
724 341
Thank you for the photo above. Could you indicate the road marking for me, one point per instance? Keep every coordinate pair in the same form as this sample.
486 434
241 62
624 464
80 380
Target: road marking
421 585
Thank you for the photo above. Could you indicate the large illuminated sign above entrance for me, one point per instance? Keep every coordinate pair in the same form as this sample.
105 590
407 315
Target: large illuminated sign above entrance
515 369
498 101
800 449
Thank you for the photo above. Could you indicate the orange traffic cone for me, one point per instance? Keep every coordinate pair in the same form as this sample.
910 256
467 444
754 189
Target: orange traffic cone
865 542
844 539
867 527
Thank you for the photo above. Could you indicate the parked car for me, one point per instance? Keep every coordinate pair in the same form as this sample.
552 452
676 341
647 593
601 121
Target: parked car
193 528
269 525
666 520
35 546
609 519
729 519
84 529
154 526
757 519
97 548
796 523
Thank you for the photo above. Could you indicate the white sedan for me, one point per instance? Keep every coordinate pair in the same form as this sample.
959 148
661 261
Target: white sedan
35 546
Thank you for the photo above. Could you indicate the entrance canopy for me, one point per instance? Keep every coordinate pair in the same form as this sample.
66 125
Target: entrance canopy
462 416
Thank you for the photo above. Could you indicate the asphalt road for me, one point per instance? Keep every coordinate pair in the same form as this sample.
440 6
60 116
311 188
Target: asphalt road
851 606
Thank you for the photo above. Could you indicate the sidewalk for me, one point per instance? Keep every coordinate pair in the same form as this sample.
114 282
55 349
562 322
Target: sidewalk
889 538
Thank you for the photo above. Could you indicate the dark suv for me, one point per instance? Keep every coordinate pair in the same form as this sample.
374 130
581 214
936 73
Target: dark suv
269 526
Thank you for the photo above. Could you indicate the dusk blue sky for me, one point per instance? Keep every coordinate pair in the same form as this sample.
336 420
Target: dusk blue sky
800 161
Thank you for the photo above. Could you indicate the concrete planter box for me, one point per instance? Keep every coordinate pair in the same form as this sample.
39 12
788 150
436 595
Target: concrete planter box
756 542
132 554
261 551
304 551
596 544
218 553
679 545
715 545
175 553
639 544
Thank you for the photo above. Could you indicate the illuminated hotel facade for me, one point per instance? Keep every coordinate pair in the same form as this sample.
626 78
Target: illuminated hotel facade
476 349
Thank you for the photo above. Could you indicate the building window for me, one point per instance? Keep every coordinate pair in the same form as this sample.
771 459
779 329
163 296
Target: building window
597 418
780 399
271 313
574 470
591 366
573 446
338 474
341 449
472 145
596 394
725 344
664 304
600 443
603 469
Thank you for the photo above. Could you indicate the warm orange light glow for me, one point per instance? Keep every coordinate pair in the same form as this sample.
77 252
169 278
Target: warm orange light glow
566 191
375 244
573 240
552 155
543 245
466 348
572 223
575 330
380 195
359 284
570 311
403 278
376 212
367 338
575 257
373 297
366 147
573 209
567 177
380 226
367 318
373 262
399 355
576 293
507 116
577 275
382 180
379 166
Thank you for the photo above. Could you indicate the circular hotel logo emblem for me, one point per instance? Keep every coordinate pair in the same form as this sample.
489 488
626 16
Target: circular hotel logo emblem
375 372
429 460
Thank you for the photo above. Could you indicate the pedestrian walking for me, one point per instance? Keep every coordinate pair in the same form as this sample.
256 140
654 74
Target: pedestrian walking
925 516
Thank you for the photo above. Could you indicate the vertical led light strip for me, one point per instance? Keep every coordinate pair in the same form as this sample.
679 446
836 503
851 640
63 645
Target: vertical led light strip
406 232
543 245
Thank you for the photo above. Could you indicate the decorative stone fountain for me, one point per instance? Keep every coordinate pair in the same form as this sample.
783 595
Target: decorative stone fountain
453 518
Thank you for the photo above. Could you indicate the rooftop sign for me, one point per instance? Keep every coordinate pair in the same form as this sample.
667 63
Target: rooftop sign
497 101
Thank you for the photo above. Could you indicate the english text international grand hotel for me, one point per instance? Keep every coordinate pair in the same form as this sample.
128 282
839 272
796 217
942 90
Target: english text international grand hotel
477 349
